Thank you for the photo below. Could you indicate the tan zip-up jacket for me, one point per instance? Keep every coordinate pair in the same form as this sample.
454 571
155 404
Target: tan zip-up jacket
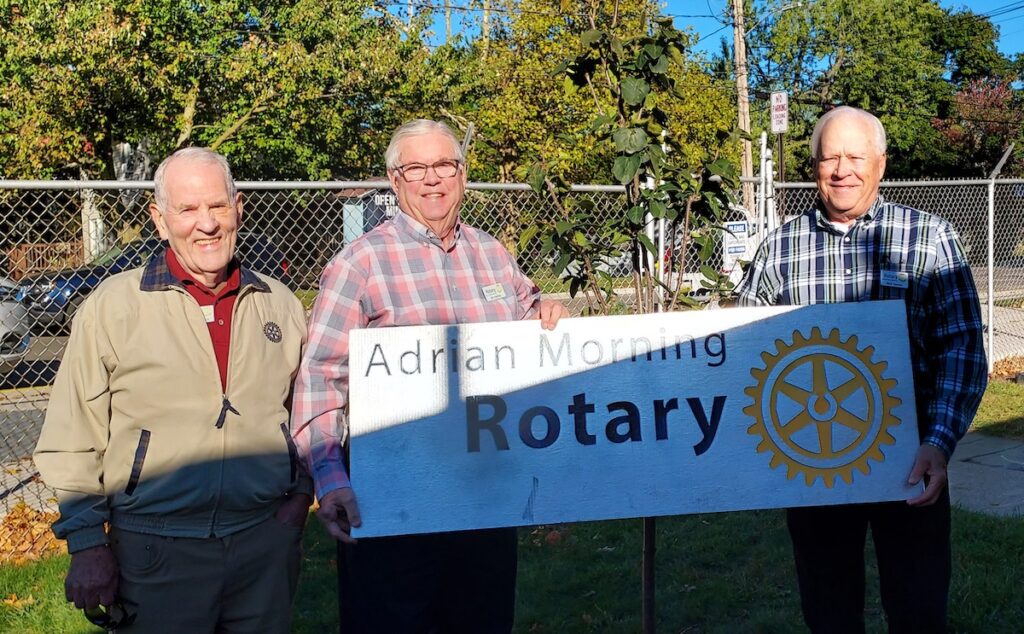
138 432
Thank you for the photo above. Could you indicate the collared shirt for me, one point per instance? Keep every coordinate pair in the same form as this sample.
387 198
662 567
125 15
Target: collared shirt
217 308
399 274
891 252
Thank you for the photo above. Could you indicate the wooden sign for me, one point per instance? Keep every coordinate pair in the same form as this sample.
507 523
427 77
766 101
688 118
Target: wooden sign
504 424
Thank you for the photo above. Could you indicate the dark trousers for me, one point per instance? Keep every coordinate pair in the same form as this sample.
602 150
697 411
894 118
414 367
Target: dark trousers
914 564
437 583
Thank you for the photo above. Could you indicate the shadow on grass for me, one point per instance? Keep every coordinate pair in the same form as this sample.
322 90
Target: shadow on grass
1002 411
724 572
718 573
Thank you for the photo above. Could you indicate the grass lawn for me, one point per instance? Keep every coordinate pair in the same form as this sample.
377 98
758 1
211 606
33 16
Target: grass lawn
725 572
1002 410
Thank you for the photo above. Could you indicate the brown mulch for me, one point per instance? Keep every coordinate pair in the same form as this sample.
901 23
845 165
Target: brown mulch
1007 369
25 536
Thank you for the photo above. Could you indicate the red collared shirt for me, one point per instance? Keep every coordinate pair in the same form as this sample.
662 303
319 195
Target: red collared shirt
217 308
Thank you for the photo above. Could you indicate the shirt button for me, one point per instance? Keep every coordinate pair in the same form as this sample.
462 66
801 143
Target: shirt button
848 271
220 322
847 239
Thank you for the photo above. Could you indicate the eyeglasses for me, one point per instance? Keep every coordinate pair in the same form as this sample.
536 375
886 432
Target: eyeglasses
414 172
113 617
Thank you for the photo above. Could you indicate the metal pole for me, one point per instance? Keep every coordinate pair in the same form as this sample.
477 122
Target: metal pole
648 576
780 161
992 254
762 185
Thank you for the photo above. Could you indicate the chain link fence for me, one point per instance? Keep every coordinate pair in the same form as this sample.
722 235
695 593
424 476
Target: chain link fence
58 240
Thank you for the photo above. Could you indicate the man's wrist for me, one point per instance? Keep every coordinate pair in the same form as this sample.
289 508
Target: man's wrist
86 538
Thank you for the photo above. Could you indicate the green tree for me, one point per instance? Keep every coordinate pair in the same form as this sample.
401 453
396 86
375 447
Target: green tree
900 59
637 78
286 89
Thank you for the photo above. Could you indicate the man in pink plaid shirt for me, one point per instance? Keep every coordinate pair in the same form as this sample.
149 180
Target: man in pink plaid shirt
423 267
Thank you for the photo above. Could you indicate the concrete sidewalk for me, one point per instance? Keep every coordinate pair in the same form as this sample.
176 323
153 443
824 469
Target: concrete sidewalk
986 475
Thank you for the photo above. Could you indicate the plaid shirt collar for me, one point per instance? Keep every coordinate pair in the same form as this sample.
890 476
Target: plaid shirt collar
821 216
158 277
413 228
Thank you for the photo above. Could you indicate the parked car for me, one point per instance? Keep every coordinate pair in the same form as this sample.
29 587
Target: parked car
14 327
52 297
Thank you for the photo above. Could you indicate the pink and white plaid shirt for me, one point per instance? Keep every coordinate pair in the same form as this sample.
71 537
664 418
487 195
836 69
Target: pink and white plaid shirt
399 274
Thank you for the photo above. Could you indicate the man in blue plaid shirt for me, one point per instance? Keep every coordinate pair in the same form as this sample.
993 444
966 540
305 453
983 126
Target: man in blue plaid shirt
854 246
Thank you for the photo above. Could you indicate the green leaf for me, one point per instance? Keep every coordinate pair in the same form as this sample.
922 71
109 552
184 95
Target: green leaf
535 177
643 239
563 261
660 66
722 167
625 168
528 233
563 227
658 209
653 51
636 214
708 272
629 140
634 90
616 45
676 55
580 239
591 37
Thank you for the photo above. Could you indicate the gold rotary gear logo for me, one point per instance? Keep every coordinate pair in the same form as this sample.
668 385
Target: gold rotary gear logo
822 407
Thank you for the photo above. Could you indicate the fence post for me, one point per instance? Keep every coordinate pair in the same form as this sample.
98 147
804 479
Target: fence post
992 254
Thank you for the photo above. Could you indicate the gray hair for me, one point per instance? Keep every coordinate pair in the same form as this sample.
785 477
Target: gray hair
848 111
195 154
419 127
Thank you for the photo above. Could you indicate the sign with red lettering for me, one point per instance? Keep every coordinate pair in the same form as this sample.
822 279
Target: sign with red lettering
780 112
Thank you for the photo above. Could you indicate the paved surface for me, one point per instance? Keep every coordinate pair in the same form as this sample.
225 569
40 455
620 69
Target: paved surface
986 475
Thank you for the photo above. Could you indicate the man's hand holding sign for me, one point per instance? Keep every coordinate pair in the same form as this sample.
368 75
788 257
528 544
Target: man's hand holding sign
610 417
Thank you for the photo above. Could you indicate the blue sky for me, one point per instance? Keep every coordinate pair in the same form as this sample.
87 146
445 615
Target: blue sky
695 14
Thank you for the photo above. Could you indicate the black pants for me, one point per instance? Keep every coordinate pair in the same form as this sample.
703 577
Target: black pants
437 583
914 564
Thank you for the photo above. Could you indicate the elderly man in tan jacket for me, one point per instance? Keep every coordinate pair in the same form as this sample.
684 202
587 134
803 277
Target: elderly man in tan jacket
166 435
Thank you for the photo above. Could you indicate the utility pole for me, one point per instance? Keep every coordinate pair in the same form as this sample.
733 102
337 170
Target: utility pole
485 28
743 101
448 21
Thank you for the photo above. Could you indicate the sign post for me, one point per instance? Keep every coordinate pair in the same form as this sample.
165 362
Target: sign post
780 125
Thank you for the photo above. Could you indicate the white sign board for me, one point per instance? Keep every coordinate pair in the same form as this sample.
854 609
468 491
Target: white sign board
780 112
736 245
504 424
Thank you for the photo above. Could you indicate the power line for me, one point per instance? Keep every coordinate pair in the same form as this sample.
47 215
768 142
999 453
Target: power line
1003 10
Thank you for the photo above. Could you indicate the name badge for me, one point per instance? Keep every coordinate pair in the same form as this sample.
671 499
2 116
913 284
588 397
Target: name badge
493 292
208 313
895 279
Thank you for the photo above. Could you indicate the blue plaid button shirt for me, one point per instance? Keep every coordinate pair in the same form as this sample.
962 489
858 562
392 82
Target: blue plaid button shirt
809 261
